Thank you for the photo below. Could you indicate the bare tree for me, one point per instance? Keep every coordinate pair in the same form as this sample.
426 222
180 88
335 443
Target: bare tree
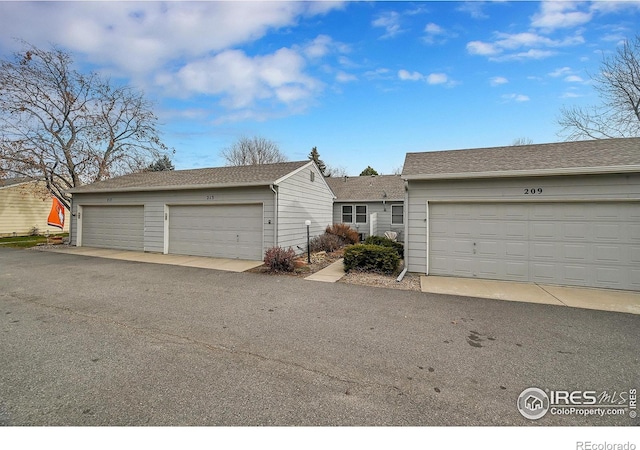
250 151
69 128
335 171
618 85
522 141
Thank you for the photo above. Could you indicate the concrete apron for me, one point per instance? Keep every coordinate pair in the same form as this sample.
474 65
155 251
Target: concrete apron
229 265
576 297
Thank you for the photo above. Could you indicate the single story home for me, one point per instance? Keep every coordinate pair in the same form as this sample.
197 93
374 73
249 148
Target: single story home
229 212
24 208
370 204
562 213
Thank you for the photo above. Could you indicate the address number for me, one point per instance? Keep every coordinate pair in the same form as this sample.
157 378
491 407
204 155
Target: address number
532 191
210 197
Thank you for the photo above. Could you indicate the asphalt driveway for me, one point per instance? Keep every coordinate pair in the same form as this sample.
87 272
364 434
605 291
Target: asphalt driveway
90 341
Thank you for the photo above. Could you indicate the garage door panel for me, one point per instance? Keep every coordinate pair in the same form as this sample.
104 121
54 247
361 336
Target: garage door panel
583 244
116 227
223 231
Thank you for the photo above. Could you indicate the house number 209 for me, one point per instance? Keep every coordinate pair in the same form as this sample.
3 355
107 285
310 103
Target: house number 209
532 191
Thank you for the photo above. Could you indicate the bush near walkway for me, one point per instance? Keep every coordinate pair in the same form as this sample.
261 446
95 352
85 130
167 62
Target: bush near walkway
386 242
277 259
372 258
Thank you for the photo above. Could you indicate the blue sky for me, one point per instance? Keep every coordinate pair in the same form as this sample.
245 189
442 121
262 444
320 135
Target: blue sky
364 82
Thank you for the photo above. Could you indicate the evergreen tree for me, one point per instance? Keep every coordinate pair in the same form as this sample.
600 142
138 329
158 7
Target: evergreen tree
315 157
368 172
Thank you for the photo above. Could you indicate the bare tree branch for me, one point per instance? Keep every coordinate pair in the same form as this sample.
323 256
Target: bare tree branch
618 85
69 128
250 151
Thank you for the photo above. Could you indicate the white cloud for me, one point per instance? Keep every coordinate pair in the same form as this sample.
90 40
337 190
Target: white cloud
244 81
405 75
515 98
432 28
473 8
497 81
390 21
573 79
509 47
562 71
482 48
343 77
560 14
437 78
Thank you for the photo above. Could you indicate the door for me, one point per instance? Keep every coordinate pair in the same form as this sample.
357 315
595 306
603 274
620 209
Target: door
116 227
222 231
573 243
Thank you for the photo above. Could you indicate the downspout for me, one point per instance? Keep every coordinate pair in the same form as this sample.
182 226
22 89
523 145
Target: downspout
405 213
71 222
274 188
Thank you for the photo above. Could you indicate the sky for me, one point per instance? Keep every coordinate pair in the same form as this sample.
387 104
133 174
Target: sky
364 82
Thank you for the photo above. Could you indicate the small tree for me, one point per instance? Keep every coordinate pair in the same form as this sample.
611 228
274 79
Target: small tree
250 151
315 157
335 171
160 165
368 172
522 141
618 85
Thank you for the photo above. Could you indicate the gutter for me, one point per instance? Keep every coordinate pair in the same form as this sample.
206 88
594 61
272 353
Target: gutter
521 173
181 187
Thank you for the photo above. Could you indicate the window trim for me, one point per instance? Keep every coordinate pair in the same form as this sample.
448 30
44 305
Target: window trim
365 214
346 214
401 215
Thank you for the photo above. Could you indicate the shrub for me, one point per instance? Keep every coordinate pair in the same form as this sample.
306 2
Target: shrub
371 258
326 242
345 232
386 242
277 259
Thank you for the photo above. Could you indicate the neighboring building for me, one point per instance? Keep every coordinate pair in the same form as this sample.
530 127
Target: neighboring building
370 204
24 207
563 213
230 212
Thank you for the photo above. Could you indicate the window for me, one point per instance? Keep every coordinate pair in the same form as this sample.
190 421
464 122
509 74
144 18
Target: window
361 214
347 214
312 176
397 214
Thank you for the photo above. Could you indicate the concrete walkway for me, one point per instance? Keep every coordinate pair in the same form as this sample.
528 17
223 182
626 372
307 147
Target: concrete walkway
576 297
329 274
229 265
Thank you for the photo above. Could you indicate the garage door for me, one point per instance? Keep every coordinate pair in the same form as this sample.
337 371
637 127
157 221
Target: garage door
222 231
117 227
576 244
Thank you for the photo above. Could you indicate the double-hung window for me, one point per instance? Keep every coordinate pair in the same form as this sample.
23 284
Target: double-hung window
397 214
354 213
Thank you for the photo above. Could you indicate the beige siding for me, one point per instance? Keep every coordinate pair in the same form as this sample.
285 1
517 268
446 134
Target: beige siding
609 187
25 206
301 199
154 203
384 217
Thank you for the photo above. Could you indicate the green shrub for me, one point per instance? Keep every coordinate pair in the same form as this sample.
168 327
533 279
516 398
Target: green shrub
386 242
277 259
371 258
345 232
326 243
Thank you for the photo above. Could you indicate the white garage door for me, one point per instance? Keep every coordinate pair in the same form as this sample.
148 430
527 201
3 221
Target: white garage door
117 227
222 231
576 244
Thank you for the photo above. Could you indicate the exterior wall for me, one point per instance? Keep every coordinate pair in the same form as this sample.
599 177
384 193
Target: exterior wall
25 206
301 199
384 217
154 208
526 189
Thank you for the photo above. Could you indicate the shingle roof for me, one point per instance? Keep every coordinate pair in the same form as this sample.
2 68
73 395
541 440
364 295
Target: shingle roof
367 188
597 156
13 181
234 176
